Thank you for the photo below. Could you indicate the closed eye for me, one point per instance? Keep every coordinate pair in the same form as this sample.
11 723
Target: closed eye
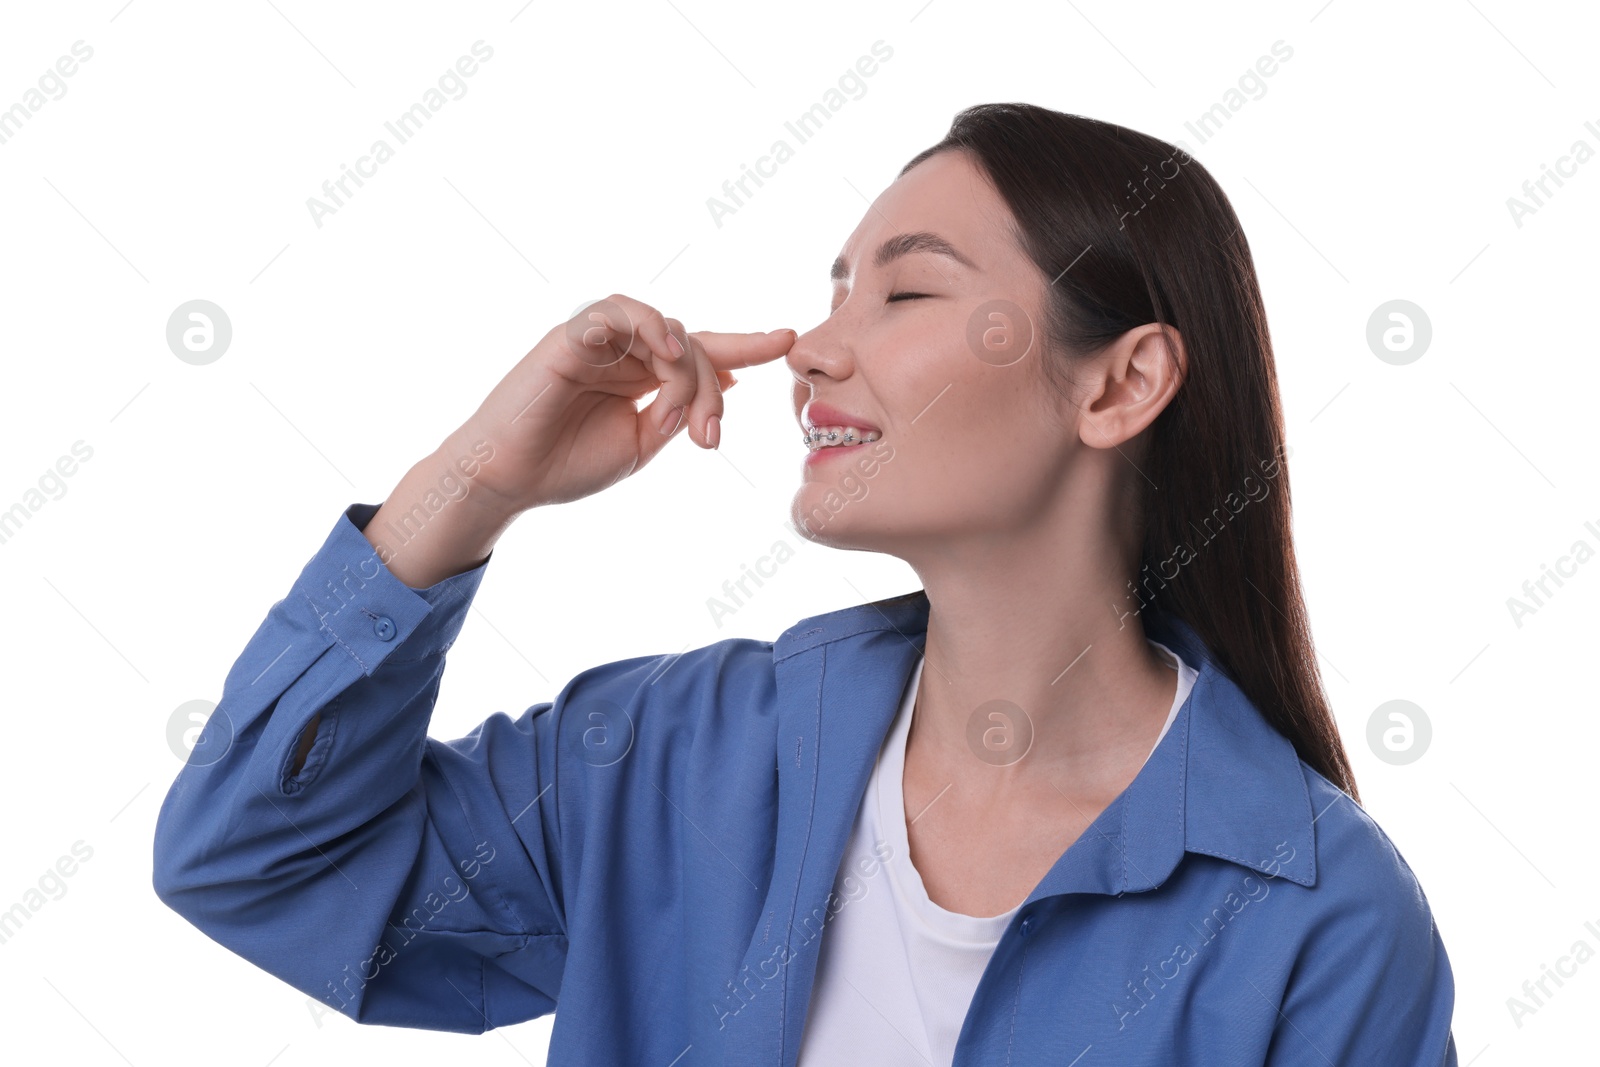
893 298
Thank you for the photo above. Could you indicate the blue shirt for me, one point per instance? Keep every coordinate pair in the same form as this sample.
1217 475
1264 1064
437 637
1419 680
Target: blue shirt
656 848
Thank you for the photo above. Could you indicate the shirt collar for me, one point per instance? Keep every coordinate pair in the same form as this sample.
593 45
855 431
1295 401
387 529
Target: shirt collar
1222 782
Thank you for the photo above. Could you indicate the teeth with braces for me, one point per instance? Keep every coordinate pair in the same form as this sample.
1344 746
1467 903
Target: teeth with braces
843 434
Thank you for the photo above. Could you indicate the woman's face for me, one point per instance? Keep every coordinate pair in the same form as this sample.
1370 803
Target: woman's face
939 352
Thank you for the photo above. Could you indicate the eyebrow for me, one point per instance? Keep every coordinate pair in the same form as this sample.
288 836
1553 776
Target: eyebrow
904 244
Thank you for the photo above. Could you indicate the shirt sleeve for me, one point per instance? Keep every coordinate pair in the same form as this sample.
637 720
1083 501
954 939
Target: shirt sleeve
401 880
1372 984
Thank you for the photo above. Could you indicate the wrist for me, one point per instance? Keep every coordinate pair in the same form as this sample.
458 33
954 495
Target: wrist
437 522
456 471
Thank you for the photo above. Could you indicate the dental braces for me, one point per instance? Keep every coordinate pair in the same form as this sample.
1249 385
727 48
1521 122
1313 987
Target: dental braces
816 436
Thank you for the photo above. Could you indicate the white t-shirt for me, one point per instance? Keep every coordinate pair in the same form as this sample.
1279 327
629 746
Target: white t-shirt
896 972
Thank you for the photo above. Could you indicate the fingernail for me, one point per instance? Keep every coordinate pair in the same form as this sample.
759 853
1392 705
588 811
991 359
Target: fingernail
670 421
674 344
714 430
732 381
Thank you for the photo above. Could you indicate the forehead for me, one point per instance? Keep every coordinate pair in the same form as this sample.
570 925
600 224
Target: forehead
947 195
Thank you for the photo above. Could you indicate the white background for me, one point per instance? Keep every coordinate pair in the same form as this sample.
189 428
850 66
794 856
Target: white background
1376 165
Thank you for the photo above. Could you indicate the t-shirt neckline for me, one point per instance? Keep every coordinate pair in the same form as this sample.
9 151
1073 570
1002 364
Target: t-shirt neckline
951 927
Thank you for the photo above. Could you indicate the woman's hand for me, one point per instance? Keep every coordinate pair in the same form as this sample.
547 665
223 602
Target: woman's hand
564 422
561 425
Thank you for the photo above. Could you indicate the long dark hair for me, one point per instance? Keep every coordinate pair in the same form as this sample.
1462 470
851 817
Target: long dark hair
1133 230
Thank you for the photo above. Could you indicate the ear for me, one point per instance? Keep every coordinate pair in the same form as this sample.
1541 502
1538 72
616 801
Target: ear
1129 383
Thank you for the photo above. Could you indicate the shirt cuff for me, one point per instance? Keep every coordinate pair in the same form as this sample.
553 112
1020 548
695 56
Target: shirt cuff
370 612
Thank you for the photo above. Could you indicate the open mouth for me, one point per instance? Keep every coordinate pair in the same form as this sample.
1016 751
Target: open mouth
824 426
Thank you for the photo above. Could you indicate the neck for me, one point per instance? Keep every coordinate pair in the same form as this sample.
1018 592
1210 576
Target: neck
1018 620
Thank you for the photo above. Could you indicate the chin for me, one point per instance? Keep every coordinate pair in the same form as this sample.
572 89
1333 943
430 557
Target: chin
837 502
819 518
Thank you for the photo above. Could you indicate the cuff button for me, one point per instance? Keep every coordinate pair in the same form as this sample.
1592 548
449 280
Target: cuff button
384 628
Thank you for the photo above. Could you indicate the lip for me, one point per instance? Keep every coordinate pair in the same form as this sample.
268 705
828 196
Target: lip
821 455
815 414
818 456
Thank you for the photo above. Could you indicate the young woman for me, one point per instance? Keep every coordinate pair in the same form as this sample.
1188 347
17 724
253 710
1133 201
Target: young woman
1080 799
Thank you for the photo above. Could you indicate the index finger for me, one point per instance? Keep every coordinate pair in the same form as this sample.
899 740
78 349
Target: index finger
728 351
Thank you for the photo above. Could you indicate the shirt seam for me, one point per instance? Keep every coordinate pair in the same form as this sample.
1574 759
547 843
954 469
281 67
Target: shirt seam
805 848
1016 1004
335 635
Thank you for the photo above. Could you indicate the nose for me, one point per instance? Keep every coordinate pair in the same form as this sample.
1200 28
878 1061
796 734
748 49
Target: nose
821 350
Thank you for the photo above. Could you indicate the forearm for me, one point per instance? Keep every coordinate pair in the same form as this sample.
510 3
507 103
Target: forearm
437 522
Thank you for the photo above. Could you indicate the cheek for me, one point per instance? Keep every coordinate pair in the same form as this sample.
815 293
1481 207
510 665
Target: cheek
985 464
966 408
984 443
